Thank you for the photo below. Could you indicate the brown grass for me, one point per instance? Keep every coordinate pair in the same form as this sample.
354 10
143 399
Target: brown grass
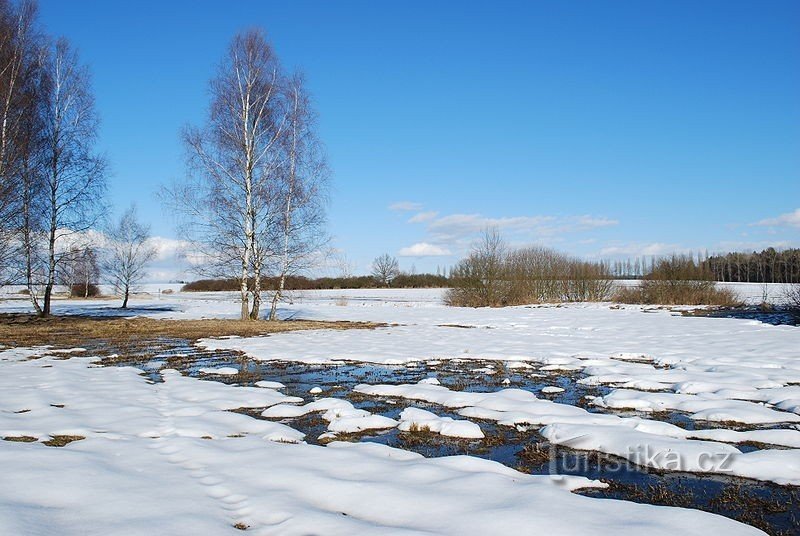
535 454
62 440
61 331
20 439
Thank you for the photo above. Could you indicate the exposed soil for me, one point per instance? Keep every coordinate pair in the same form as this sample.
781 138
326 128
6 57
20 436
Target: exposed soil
65 331
20 439
62 440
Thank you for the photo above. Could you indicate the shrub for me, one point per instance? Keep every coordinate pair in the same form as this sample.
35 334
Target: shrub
80 290
677 280
481 280
493 276
654 291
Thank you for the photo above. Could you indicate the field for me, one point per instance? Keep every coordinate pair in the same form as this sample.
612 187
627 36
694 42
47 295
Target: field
386 412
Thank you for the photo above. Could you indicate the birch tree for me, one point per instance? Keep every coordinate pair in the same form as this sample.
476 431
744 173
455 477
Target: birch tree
128 253
18 50
301 194
73 176
227 200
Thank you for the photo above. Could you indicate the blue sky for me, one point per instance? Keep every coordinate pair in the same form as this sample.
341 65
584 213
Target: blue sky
599 128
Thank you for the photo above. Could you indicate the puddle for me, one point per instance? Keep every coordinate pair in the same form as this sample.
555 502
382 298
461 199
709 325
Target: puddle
769 507
777 317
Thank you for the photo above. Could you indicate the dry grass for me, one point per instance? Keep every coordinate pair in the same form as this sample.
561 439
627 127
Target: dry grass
62 440
20 439
61 331
536 454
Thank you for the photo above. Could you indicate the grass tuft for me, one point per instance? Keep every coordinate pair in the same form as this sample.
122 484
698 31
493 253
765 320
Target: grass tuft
62 440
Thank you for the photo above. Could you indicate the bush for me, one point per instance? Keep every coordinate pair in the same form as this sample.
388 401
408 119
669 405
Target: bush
481 280
80 290
661 292
677 280
491 276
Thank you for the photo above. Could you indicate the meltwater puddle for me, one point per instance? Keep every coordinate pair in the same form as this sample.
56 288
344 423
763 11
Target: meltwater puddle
770 507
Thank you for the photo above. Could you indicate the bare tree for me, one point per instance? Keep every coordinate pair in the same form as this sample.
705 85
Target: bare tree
478 280
384 269
344 265
228 200
128 253
792 298
19 44
73 176
301 192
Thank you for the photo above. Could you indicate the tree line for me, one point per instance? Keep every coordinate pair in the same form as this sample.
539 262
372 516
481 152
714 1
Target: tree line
300 282
768 266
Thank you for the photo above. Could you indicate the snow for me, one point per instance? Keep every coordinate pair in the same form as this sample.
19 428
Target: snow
221 371
430 381
671 454
421 420
94 399
147 465
170 457
342 417
701 408
552 389
196 486
649 443
267 384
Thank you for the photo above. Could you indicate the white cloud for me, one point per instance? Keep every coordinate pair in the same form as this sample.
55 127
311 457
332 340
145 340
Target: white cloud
790 219
639 250
423 217
590 222
660 249
405 206
173 261
424 249
457 231
459 225
753 245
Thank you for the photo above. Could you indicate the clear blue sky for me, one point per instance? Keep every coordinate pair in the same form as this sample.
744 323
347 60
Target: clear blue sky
601 128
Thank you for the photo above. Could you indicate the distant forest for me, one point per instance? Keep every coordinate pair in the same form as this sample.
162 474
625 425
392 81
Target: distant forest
767 266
